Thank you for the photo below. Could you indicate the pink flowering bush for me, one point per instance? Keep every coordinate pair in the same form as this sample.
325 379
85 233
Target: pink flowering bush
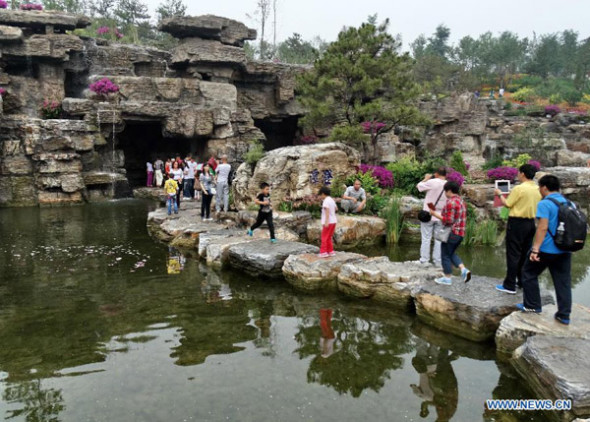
31 6
3 4
374 127
104 86
552 110
2 92
535 164
103 30
503 173
118 34
454 176
383 176
51 109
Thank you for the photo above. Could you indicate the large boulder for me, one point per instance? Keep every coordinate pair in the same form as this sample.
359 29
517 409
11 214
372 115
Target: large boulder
382 280
182 229
261 258
518 326
351 231
310 272
557 368
289 171
297 221
471 310
228 31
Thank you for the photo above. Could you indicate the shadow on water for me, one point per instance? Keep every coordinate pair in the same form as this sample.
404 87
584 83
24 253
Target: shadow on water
99 321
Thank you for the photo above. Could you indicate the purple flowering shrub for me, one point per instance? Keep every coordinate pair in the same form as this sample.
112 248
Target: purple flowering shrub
384 176
3 4
2 92
535 164
31 6
503 173
369 127
103 30
307 140
51 109
454 176
552 109
104 86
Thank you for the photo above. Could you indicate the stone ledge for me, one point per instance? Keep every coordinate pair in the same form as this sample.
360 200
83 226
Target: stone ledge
40 19
228 31
517 327
351 231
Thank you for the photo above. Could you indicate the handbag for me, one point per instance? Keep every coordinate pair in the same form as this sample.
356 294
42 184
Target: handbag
424 216
213 191
442 233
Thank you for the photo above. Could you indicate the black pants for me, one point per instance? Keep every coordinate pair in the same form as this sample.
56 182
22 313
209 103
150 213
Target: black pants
265 216
179 192
519 239
560 266
206 205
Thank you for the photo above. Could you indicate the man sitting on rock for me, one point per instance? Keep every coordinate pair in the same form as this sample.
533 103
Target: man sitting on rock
354 198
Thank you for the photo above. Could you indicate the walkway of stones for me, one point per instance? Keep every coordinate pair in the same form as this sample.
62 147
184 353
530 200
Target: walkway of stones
552 358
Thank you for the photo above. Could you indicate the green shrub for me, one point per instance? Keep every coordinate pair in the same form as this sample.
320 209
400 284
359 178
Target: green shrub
337 187
524 95
286 206
572 96
521 160
555 98
507 105
394 217
458 163
487 232
255 152
369 183
492 163
407 173
376 204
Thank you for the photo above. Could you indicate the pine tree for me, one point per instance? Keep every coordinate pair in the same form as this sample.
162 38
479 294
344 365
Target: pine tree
171 8
361 77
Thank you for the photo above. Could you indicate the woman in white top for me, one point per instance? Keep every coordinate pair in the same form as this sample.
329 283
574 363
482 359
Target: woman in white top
177 174
329 221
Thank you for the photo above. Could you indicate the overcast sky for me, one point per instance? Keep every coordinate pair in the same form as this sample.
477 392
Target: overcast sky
409 18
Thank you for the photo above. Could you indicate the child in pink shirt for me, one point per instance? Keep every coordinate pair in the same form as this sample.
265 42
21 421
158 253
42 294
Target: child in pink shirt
328 223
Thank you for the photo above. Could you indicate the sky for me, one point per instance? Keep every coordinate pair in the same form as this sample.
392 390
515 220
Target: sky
410 18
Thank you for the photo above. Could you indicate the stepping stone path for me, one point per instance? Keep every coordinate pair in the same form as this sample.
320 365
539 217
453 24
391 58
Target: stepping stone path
557 368
517 327
263 258
351 231
310 272
383 280
471 310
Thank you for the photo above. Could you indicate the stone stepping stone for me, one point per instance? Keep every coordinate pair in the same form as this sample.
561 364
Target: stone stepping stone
182 229
471 310
557 368
518 326
262 258
351 231
382 280
310 272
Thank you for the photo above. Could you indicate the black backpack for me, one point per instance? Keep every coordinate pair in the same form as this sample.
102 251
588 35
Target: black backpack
573 222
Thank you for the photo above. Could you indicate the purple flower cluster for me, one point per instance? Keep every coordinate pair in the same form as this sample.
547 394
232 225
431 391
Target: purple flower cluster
104 86
374 127
503 173
2 92
307 140
535 164
103 30
384 176
31 6
454 176
118 34
552 109
3 4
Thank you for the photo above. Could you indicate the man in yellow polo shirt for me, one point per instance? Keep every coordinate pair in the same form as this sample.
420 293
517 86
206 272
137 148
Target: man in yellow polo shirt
520 230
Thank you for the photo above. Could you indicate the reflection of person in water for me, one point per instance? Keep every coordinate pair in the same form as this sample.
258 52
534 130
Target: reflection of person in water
175 261
438 384
327 338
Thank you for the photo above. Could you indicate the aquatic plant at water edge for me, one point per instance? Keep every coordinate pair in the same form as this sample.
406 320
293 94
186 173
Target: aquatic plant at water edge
394 220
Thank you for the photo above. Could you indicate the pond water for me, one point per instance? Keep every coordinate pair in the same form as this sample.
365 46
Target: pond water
98 322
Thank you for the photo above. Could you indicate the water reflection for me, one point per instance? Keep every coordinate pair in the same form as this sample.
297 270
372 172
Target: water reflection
33 403
175 262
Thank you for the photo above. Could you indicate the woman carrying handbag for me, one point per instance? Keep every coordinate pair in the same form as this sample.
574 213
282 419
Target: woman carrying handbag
451 233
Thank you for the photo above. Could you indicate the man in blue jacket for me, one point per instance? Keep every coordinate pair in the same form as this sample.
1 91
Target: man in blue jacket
545 254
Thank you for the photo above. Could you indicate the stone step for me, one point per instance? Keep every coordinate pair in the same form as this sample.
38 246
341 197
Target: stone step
351 231
517 327
557 368
310 272
382 280
471 310
265 259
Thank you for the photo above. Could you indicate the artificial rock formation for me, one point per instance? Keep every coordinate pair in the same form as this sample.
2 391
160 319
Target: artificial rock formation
197 98
351 231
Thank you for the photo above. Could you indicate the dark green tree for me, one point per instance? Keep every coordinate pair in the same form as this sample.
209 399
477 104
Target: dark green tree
170 8
545 58
131 14
362 77
296 50
71 6
438 44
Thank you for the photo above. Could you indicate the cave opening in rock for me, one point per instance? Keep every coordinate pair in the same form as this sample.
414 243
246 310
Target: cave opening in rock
279 132
143 141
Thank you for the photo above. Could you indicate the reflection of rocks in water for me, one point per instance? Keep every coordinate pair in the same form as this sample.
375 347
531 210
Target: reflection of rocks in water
36 404
213 286
437 385
175 262
366 350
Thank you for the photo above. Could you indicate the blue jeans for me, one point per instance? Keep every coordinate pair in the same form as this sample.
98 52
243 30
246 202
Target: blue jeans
448 255
560 267
172 200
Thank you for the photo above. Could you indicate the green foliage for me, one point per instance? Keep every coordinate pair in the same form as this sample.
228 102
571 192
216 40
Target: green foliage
493 162
70 6
369 183
349 134
524 95
408 172
337 187
555 98
255 152
361 77
286 206
170 8
394 218
376 203
295 50
520 160
458 163
479 233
